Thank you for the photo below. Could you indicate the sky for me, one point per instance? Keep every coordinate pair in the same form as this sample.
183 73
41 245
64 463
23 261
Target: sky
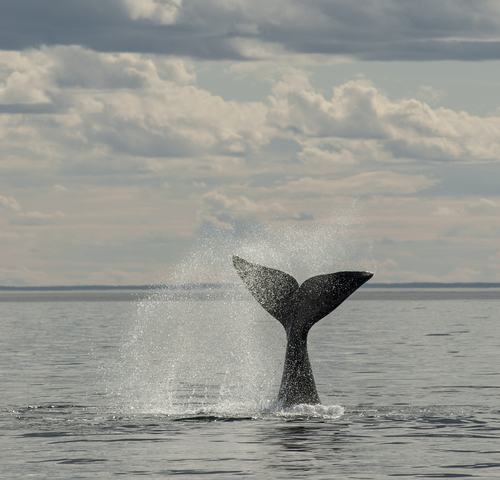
130 128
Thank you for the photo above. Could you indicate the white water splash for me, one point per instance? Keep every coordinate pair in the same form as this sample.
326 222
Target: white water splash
312 411
215 349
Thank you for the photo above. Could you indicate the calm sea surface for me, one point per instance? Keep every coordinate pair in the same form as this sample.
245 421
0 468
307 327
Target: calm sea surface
105 385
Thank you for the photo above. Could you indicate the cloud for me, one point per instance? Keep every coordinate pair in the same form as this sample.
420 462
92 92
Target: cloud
10 203
111 112
428 94
24 79
222 210
314 155
215 29
384 129
367 183
20 217
127 104
164 12
106 132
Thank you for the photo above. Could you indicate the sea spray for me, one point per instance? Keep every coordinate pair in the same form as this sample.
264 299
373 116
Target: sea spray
213 352
206 346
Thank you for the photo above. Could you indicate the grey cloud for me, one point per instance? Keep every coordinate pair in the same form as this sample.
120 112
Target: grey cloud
77 67
103 26
367 30
22 108
366 183
82 68
132 139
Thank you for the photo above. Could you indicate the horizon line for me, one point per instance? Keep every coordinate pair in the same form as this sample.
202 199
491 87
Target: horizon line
198 286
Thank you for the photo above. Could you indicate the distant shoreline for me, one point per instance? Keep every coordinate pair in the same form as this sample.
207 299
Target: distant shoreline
205 286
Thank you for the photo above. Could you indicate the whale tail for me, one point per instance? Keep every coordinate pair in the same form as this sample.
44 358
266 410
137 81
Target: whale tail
281 296
297 308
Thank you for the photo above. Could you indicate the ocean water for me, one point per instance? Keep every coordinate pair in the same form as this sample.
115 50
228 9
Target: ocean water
106 385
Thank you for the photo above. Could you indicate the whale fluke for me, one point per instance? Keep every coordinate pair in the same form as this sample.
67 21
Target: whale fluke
297 308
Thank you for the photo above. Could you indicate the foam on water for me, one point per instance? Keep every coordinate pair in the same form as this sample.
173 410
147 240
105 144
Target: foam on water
235 411
215 350
312 411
